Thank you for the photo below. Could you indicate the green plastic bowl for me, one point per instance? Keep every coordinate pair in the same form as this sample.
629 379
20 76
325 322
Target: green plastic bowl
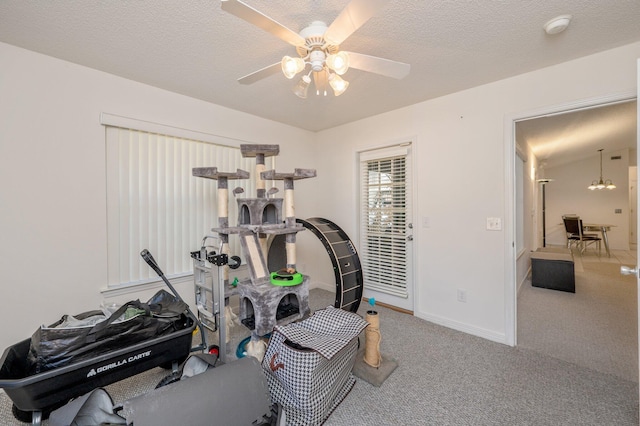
286 280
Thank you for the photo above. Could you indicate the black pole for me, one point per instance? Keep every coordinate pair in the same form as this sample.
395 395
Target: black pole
544 183
544 214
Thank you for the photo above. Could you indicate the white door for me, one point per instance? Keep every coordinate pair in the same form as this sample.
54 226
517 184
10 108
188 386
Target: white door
633 202
638 158
627 270
386 225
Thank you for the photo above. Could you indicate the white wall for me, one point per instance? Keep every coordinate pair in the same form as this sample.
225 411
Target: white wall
52 178
52 196
568 193
460 157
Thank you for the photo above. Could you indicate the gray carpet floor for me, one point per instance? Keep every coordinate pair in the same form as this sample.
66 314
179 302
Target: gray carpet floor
446 377
597 327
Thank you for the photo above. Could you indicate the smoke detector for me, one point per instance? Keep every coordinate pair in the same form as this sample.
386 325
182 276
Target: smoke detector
557 24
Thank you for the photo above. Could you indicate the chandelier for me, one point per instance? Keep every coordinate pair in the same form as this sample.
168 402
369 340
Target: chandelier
601 184
326 63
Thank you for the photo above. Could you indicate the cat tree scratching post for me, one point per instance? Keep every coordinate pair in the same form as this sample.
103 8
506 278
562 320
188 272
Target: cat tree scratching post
260 152
263 305
289 207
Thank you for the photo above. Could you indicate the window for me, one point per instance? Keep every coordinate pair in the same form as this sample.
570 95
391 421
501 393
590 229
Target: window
154 202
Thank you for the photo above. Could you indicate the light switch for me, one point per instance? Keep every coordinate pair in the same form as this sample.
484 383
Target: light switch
494 224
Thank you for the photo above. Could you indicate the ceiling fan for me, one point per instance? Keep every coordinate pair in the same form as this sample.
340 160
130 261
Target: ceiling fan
318 46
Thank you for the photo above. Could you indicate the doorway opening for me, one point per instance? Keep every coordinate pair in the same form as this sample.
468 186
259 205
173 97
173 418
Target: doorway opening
548 146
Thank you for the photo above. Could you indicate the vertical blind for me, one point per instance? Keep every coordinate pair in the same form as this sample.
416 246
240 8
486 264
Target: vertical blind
384 178
154 202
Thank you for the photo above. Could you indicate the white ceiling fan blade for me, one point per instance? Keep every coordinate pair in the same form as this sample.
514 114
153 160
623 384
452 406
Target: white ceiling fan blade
251 15
260 74
352 17
377 65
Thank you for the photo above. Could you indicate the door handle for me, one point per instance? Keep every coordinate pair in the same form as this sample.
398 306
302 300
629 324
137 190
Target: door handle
409 237
629 270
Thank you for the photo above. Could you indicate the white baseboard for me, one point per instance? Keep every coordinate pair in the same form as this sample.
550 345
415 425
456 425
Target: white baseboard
524 280
465 328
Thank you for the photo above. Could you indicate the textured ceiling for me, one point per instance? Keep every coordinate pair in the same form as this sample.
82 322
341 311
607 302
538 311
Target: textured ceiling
194 48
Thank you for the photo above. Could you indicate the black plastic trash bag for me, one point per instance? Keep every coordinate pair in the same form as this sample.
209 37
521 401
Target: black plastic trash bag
52 347
91 409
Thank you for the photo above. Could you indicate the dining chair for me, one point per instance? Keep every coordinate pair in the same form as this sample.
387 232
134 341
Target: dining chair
575 235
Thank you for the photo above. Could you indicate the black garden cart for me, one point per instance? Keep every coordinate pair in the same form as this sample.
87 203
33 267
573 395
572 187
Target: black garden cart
35 395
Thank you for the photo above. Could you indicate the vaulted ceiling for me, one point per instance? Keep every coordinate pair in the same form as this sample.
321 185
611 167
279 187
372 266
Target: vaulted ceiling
562 138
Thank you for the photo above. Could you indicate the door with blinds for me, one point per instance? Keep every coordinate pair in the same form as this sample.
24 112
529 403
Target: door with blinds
386 225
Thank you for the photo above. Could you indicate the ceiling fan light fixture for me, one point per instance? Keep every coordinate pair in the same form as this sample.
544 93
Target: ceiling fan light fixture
291 66
339 62
338 84
318 46
302 87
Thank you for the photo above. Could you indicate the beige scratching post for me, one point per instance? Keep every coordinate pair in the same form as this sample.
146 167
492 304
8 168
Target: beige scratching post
372 340
370 365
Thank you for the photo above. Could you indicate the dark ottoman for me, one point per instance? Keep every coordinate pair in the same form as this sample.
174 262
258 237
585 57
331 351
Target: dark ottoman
553 269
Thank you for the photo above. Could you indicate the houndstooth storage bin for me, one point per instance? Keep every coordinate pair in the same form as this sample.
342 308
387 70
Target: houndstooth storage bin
308 364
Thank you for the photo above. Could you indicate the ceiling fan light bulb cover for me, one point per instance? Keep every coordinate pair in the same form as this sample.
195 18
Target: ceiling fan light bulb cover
339 62
291 66
338 84
302 87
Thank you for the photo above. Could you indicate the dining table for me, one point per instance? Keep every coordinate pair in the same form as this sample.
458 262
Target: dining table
602 228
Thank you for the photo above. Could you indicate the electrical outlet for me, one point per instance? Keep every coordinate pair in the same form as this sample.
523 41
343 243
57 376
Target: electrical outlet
462 295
